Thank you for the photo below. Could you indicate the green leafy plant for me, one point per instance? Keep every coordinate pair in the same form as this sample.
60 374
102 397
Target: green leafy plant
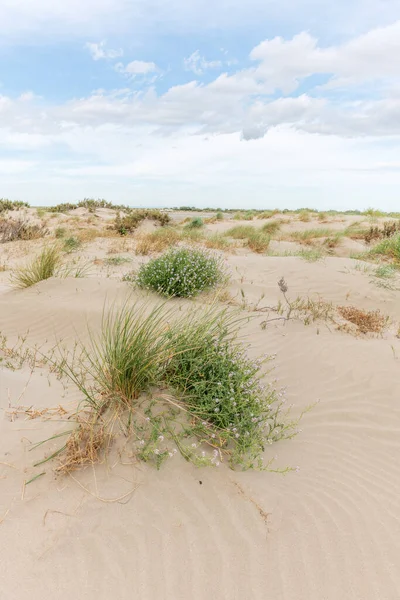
182 272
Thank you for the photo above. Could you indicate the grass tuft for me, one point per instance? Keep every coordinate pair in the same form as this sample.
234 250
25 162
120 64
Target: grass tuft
42 267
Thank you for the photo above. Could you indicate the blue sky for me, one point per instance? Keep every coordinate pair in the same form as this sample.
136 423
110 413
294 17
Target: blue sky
213 103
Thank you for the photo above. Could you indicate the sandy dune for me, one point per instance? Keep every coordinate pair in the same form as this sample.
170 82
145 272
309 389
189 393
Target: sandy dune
330 531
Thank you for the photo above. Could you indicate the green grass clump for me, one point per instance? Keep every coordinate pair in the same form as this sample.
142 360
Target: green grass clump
195 223
258 242
271 227
256 239
388 248
71 244
312 254
183 272
42 267
60 232
219 216
385 272
240 232
217 242
310 234
117 260
127 358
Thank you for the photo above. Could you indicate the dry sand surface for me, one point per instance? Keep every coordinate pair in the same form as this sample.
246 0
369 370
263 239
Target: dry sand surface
124 530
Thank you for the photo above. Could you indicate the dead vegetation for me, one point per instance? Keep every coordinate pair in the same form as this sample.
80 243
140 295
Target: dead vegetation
20 229
365 321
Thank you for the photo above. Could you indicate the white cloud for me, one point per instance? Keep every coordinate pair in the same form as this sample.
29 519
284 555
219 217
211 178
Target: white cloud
99 51
198 64
233 137
41 19
136 67
372 56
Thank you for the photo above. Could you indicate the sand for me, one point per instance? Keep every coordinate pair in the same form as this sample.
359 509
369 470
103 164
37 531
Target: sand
330 531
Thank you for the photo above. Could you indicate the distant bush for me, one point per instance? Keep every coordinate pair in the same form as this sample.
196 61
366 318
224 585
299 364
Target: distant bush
183 272
129 222
12 230
219 216
11 205
90 203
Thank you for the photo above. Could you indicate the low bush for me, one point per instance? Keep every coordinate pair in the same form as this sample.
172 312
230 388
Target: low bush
129 222
11 205
182 272
195 223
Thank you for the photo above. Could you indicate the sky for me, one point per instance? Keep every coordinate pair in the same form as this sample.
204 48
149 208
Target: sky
223 103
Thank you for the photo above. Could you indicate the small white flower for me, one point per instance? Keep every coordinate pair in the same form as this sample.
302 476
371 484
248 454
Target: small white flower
141 442
156 451
194 445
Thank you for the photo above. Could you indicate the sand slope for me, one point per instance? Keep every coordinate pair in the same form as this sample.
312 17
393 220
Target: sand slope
329 532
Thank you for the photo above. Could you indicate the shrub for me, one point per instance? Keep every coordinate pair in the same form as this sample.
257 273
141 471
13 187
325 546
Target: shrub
388 229
181 272
222 388
195 223
219 216
41 267
11 205
12 230
90 203
128 223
